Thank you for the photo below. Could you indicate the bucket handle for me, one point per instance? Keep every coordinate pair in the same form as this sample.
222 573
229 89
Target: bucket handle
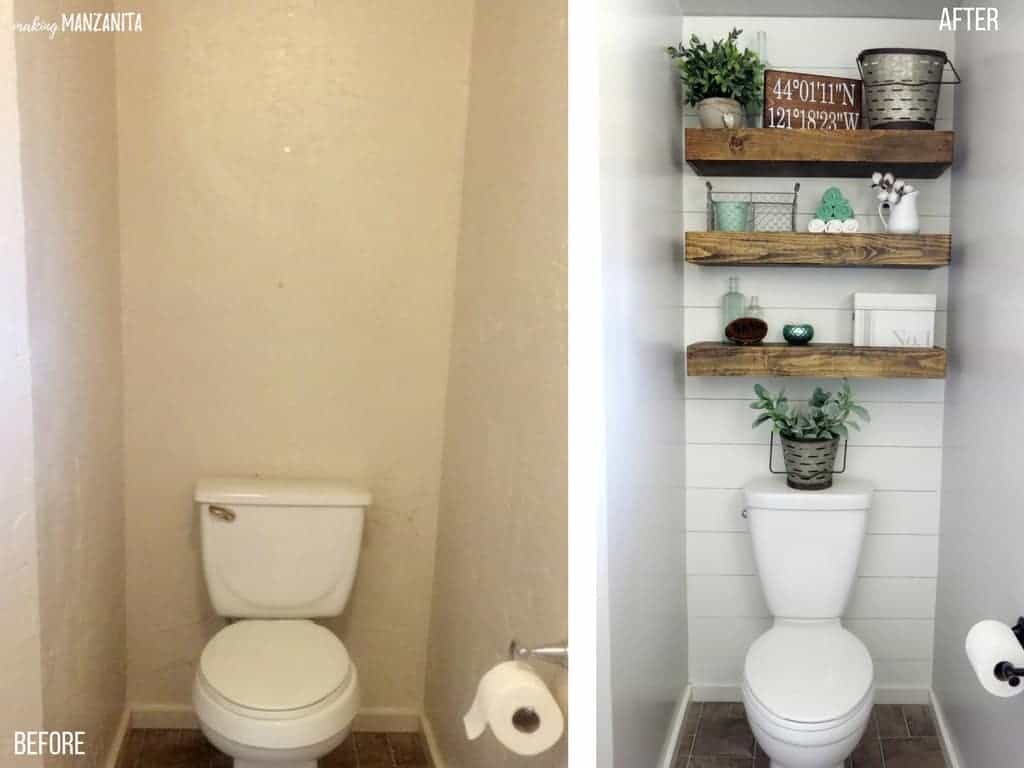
771 450
940 81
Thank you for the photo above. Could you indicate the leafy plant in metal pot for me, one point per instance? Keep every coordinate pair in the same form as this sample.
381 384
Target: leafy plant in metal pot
720 80
810 433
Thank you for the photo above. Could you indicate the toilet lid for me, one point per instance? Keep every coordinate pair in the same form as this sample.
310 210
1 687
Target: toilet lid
809 673
275 665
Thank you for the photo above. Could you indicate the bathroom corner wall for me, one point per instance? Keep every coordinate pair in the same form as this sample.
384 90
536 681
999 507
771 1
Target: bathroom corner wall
69 166
645 517
21 706
981 573
900 451
502 539
290 192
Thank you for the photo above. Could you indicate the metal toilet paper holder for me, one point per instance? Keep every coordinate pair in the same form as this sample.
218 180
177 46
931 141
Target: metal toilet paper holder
557 653
1004 670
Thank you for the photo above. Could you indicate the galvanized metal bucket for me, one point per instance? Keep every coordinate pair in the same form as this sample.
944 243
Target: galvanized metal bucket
901 86
810 464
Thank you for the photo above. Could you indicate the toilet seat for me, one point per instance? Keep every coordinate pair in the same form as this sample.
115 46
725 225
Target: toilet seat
275 665
809 676
275 685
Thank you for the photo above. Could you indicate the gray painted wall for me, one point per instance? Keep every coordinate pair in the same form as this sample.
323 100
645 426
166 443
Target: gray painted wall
981 572
645 643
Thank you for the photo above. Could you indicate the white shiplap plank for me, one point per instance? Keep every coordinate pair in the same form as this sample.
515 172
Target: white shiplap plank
895 469
894 424
932 199
798 43
807 286
895 639
833 326
908 512
696 221
866 390
883 555
718 596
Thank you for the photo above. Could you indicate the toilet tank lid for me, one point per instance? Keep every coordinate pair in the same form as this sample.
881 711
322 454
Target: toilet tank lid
773 493
280 492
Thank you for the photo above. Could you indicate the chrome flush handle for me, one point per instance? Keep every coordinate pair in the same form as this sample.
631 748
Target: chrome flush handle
223 513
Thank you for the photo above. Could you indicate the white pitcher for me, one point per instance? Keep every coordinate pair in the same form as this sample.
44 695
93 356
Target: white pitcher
903 218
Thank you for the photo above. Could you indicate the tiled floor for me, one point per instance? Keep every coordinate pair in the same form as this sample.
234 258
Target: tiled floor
898 736
189 749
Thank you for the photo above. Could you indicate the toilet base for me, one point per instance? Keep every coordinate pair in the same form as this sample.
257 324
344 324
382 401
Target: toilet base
251 764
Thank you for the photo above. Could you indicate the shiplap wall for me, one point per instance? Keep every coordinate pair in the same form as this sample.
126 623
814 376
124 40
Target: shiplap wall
892 608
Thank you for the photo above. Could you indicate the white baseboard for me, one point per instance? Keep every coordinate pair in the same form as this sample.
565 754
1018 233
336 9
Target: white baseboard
882 695
668 749
124 725
430 738
948 745
181 717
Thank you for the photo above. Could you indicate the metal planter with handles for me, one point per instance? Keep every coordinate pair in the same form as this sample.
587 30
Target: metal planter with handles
810 464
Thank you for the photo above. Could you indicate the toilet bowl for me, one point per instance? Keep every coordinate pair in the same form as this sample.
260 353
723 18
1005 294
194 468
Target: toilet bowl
807 682
275 693
808 693
273 689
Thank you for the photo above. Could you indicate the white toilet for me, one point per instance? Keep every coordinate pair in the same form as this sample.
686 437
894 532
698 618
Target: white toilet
273 689
807 681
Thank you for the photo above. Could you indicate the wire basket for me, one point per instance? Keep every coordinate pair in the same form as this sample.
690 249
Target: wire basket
752 211
901 86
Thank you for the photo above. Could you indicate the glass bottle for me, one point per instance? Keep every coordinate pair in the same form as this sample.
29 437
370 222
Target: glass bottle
754 309
732 304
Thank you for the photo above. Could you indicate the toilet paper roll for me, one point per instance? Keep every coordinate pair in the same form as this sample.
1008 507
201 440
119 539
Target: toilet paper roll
519 708
988 643
850 225
816 225
833 226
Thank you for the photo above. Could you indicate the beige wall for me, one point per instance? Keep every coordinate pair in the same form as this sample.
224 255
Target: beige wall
290 187
69 158
502 539
69 162
20 684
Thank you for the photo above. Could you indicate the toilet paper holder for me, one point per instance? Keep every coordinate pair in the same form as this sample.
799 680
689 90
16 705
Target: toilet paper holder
557 653
1004 670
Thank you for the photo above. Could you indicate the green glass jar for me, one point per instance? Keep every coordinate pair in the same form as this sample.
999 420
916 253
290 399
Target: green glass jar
732 304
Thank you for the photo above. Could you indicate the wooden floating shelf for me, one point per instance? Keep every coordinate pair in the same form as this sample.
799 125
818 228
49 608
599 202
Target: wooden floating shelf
710 358
785 152
808 249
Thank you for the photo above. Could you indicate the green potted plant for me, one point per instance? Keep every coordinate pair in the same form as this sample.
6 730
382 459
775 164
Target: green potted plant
810 434
721 80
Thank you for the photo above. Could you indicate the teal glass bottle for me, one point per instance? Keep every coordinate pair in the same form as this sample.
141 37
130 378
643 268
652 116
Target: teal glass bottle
733 304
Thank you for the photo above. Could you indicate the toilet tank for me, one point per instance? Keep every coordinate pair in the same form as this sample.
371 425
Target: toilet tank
807 544
277 548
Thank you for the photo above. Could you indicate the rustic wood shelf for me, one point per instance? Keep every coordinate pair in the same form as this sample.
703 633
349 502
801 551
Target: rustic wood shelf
815 360
808 249
785 152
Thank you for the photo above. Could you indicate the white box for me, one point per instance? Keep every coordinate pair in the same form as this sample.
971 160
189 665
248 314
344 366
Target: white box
893 319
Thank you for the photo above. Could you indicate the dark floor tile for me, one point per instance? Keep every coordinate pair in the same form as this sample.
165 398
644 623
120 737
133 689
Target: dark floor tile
919 720
891 723
343 756
868 754
173 749
913 753
761 759
719 761
723 730
687 734
373 750
407 750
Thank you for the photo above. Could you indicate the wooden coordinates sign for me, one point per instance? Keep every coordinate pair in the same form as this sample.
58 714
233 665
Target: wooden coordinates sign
799 100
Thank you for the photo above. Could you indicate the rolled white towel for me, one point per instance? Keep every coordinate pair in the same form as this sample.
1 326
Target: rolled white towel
850 225
834 225
816 225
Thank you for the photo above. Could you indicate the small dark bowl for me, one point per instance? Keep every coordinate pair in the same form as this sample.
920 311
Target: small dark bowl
798 334
746 330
